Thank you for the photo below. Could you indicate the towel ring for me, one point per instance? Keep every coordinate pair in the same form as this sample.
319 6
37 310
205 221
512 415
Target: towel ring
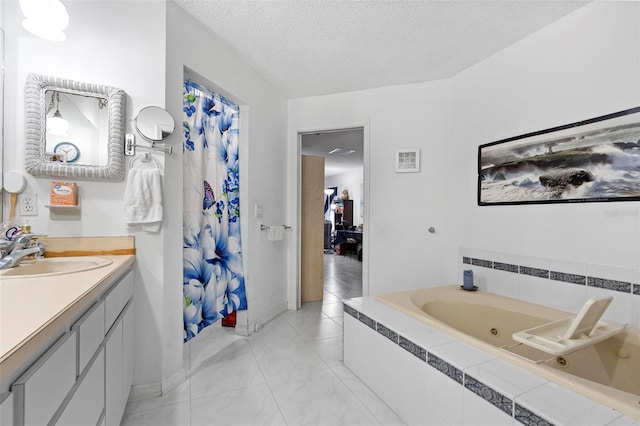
145 158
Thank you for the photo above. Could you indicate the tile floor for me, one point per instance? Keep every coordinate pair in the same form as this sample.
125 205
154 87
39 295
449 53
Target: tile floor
290 373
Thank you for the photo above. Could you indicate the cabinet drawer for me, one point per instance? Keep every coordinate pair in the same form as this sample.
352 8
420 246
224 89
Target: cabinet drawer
87 403
41 389
116 299
6 409
114 398
90 333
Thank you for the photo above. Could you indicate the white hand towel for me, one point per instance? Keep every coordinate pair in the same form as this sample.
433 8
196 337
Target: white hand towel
143 199
276 233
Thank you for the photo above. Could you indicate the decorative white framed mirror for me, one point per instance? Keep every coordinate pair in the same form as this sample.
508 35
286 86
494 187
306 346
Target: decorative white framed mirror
74 129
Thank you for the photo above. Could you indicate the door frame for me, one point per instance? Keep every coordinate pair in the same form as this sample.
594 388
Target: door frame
294 273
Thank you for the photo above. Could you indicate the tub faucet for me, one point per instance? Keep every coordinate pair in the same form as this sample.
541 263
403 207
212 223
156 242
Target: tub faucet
12 252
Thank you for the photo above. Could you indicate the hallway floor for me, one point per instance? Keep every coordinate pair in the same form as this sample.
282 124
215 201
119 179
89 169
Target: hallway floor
290 373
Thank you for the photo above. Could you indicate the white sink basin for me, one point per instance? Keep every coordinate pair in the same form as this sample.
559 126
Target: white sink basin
54 266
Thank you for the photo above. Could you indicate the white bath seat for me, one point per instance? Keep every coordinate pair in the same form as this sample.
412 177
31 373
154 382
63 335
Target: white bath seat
573 333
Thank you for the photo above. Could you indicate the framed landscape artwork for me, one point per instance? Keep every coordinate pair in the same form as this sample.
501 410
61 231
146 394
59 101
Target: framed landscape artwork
589 161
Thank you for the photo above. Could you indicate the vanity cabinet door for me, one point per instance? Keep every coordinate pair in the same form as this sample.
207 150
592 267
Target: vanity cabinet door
87 403
116 299
127 349
43 387
119 350
6 409
90 331
114 398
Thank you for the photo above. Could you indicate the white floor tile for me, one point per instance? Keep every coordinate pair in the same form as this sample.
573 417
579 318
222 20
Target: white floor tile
288 361
312 397
332 309
276 333
219 375
180 393
355 385
330 350
358 417
322 329
281 371
225 346
329 297
310 313
168 415
384 415
249 406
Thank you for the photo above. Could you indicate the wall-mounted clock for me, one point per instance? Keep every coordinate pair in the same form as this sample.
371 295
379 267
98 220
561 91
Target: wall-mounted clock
68 151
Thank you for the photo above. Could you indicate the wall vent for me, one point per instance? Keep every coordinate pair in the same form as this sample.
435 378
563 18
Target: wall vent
407 160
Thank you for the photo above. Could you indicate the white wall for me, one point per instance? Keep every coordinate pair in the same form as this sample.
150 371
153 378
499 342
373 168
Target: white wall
559 75
262 159
402 206
142 48
121 44
584 65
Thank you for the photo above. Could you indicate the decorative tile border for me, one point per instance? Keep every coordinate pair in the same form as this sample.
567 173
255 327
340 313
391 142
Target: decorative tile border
568 278
614 285
505 267
412 348
388 333
498 400
598 282
482 262
528 418
369 322
489 394
534 272
351 311
445 368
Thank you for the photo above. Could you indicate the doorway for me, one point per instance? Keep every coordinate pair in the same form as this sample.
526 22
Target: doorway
344 253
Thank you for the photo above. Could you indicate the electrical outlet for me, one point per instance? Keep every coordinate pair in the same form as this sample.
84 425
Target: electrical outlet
28 204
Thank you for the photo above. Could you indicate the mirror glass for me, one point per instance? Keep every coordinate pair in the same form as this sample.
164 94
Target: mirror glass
74 129
77 129
154 123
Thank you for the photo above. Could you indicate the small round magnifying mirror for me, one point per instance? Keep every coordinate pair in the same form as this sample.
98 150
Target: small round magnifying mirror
154 123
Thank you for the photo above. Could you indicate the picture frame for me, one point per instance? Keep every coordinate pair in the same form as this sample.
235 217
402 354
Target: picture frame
595 160
408 160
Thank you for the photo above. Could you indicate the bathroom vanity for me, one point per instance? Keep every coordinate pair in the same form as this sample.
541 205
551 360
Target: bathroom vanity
66 345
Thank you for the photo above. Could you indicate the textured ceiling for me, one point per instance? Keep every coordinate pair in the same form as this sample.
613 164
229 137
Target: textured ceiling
310 47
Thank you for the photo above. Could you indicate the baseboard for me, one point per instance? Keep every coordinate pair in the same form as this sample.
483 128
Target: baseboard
152 390
257 325
146 391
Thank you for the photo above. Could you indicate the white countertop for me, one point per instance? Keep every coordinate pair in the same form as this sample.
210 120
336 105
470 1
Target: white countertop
30 307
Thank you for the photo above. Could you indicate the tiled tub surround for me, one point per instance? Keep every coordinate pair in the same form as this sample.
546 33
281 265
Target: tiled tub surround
431 377
555 283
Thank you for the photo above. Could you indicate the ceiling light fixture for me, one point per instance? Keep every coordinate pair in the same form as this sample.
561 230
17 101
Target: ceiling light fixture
46 19
56 125
342 151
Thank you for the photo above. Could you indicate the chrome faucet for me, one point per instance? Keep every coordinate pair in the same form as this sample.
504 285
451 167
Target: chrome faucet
12 252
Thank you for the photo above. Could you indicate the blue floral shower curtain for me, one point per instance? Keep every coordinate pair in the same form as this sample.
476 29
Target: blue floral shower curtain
213 283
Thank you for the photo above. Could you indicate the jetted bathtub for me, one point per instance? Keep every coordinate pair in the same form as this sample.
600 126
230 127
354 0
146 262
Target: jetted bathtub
607 372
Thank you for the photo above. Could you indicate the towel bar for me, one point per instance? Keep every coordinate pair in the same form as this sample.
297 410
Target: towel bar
265 227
